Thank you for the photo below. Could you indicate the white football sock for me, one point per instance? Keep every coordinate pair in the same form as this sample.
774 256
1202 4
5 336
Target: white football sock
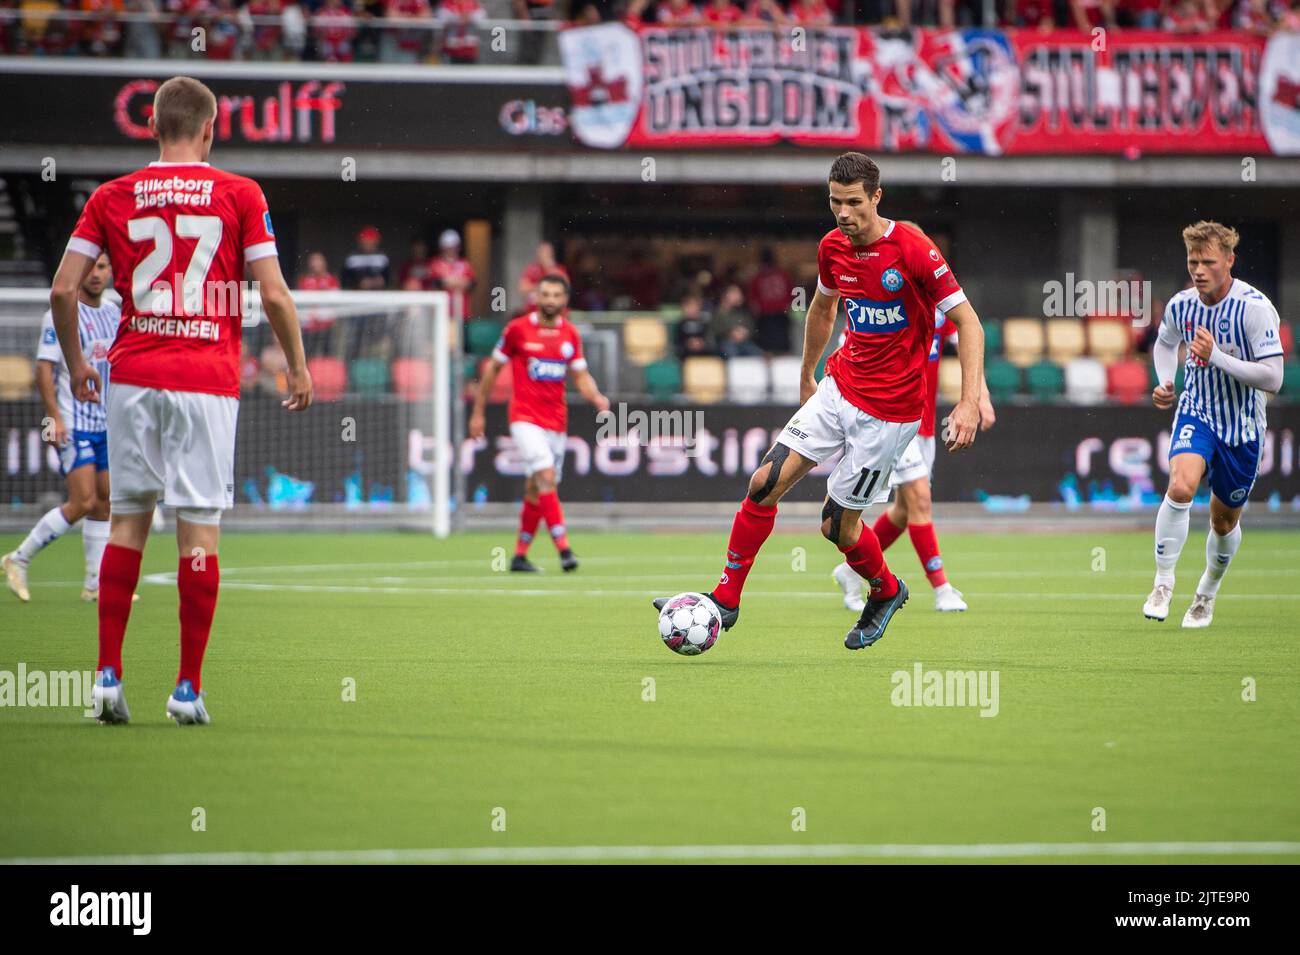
47 530
1171 534
94 538
1219 551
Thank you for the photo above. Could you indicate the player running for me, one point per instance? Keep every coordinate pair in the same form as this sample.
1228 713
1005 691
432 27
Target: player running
1234 359
77 431
871 401
910 510
179 234
542 347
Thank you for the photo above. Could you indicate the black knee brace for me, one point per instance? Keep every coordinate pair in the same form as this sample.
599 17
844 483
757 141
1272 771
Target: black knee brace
833 512
775 457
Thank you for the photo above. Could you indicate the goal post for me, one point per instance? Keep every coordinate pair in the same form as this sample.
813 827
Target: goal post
376 449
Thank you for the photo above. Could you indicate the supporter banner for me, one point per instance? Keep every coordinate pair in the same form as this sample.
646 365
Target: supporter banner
988 92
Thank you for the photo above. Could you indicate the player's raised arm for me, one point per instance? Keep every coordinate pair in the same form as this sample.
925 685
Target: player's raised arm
818 325
965 418
283 317
63 305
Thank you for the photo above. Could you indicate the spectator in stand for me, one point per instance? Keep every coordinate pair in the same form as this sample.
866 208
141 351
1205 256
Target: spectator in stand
186 15
1140 14
736 343
317 324
634 15
100 35
224 31
532 40
1254 16
692 330
538 269
732 326
771 292
318 277
1188 16
1033 13
461 21
760 12
452 273
415 274
367 268
925 13
1088 14
676 13
264 38
811 13
333 29
406 44
722 13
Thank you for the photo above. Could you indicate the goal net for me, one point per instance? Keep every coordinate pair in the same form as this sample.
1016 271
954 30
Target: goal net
373 451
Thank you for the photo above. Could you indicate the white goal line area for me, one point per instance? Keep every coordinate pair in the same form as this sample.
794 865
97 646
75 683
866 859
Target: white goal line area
702 853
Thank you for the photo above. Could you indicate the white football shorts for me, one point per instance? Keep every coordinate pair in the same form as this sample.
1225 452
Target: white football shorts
538 448
828 423
917 462
177 444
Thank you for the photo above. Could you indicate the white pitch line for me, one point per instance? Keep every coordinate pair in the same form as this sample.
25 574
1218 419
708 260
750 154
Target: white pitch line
1016 850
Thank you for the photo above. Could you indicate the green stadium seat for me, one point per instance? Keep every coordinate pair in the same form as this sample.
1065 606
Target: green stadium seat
992 337
368 377
1291 382
1003 379
481 336
1045 380
663 379
1178 377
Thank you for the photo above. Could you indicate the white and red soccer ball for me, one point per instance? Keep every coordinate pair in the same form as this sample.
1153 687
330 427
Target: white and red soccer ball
689 624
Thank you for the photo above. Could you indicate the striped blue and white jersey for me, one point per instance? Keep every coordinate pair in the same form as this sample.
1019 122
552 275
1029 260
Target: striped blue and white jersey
1244 325
98 328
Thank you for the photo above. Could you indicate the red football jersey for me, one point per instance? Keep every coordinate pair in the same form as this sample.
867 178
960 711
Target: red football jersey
890 290
540 357
942 329
178 236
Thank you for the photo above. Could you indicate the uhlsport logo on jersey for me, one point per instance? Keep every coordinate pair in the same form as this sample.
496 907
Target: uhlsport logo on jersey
542 369
892 280
875 318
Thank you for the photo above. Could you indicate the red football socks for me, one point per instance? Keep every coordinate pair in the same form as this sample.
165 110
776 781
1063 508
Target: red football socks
868 561
886 531
198 590
553 514
927 548
119 572
530 515
749 530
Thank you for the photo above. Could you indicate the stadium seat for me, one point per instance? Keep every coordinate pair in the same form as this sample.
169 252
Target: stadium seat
17 375
1003 379
413 379
1022 341
1126 382
1109 340
368 377
992 337
644 340
704 379
950 379
1045 380
1178 377
1065 339
1085 381
481 336
747 380
1287 337
785 379
329 378
1291 382
663 379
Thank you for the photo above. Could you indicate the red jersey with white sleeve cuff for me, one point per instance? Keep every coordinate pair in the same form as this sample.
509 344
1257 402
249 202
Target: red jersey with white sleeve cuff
942 329
178 236
540 357
890 290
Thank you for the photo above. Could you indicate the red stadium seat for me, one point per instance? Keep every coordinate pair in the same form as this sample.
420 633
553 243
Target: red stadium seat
1287 338
412 379
329 378
1127 382
504 386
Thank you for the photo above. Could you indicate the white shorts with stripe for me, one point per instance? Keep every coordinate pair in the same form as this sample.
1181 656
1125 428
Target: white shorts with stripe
916 463
828 423
539 448
178 446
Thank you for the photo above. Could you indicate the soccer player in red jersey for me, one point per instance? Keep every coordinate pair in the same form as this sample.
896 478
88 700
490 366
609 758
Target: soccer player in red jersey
180 235
869 405
542 347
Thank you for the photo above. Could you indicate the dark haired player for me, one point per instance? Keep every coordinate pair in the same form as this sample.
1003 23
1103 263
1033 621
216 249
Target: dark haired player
869 405
542 347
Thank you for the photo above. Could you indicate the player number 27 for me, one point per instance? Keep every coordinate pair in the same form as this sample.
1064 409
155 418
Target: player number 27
206 229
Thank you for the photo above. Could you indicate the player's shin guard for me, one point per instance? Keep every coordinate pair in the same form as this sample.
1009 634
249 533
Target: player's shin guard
753 524
886 531
1219 551
94 538
197 580
118 575
530 515
48 529
927 549
1171 534
553 514
868 562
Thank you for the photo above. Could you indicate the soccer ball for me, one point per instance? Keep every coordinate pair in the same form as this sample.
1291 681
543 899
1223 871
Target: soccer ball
689 624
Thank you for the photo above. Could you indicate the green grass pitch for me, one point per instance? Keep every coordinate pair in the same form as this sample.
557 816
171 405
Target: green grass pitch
479 690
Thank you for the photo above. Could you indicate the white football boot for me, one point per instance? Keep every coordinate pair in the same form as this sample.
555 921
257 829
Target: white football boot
16 576
948 599
1200 613
1157 605
186 707
108 699
851 584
